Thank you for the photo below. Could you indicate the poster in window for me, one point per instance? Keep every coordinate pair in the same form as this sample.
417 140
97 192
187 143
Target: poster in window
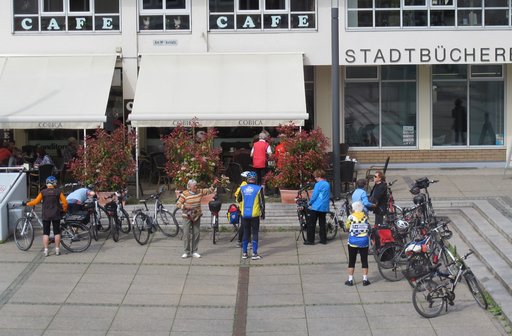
408 135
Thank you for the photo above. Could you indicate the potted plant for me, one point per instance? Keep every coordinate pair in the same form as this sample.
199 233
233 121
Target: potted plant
105 160
191 157
303 153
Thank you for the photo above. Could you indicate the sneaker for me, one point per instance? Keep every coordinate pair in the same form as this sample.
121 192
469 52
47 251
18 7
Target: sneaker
196 255
45 252
244 255
366 282
57 251
256 257
349 283
185 255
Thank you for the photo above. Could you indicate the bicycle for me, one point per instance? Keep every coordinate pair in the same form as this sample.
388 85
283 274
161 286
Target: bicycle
72 233
336 219
143 224
119 220
98 215
302 211
431 295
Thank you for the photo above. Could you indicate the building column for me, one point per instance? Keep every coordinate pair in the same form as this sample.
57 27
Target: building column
424 107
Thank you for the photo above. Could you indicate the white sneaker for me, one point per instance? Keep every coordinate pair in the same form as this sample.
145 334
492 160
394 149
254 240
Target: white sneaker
45 252
256 257
57 251
185 255
244 255
196 255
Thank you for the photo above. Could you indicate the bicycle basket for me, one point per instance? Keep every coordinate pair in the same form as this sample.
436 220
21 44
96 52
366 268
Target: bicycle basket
416 268
214 205
422 183
111 206
81 217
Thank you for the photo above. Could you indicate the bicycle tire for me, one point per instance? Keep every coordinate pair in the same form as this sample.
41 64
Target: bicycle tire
215 229
331 225
167 223
392 270
115 225
302 226
139 228
94 230
428 298
101 219
24 233
475 290
75 237
124 220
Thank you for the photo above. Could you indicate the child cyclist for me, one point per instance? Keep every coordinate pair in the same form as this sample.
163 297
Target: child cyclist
54 203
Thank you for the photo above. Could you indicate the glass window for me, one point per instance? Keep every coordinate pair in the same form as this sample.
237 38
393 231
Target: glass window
222 6
469 17
496 3
53 5
362 72
106 6
469 3
303 5
449 71
248 4
469 111
360 3
442 18
79 5
414 2
387 3
25 7
360 19
496 17
486 126
387 18
415 18
151 22
175 4
380 113
152 4
275 4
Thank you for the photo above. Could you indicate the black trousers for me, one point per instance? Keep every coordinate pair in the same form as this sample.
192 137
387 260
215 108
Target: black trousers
311 228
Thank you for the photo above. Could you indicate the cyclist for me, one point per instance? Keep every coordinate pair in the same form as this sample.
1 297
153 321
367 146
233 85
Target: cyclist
78 197
318 208
241 229
251 202
358 242
54 203
360 195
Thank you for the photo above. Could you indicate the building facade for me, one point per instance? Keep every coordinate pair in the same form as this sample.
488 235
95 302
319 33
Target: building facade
420 80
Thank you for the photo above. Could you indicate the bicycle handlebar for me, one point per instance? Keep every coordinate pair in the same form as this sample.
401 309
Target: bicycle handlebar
391 183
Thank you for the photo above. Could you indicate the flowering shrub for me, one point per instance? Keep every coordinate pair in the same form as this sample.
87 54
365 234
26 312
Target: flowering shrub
191 158
106 160
304 152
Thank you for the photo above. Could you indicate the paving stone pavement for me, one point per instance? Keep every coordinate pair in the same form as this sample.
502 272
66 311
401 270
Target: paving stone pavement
127 289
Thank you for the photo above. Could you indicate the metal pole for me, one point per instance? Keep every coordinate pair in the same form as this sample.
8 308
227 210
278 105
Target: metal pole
335 85
137 181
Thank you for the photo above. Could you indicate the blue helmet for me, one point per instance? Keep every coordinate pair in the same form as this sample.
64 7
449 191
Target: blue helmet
52 180
252 176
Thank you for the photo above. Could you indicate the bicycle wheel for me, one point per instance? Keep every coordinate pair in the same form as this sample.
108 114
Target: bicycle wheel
94 229
24 233
140 230
75 237
115 225
302 226
392 263
101 219
124 220
475 289
167 223
215 228
428 298
331 225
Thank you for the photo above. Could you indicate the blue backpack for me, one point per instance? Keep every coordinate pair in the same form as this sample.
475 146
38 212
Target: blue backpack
233 214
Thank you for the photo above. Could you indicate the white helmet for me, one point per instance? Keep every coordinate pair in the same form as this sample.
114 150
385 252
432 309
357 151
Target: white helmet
402 225
245 174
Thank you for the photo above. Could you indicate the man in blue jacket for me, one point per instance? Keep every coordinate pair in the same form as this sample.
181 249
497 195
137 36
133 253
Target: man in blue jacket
318 208
251 202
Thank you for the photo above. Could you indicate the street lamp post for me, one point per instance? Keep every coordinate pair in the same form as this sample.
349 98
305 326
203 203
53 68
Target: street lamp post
335 85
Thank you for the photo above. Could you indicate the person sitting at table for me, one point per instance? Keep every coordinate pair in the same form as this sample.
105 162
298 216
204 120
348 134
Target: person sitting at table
42 158
16 158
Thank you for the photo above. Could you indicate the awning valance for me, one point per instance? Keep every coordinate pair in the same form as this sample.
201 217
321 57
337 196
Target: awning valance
220 90
55 91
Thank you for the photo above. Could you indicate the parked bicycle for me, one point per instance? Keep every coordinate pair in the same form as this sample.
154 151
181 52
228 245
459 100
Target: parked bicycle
338 216
97 215
302 210
436 290
75 236
144 224
119 220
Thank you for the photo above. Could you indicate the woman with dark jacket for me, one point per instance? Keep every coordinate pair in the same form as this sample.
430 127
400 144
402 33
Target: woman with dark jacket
378 196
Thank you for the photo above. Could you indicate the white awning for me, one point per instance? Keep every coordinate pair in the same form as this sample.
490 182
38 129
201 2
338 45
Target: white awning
54 91
220 90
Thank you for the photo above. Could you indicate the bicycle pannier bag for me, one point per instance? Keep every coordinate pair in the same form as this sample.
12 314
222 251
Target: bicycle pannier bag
385 236
233 214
